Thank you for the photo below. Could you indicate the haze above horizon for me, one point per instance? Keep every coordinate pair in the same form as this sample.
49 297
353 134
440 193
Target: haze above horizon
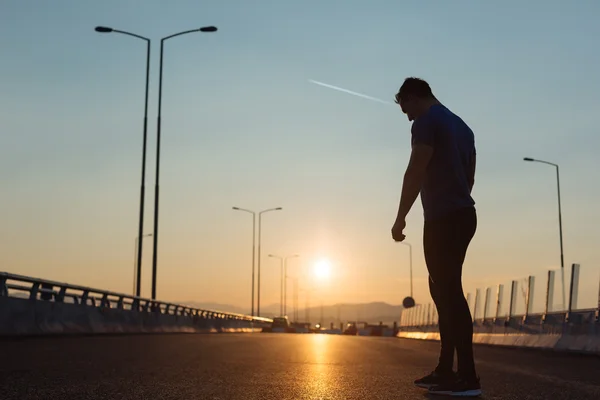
244 126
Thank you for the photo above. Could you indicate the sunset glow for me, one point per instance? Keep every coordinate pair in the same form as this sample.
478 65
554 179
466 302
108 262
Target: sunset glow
322 269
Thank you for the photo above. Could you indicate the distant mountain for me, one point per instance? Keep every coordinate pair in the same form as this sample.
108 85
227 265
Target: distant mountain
374 312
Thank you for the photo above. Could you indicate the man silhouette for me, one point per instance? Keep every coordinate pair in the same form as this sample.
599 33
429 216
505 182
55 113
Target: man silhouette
442 170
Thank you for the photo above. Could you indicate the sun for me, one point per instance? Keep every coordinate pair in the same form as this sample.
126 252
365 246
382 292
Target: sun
322 269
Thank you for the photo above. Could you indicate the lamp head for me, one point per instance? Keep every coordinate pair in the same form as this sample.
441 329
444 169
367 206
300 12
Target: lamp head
408 302
103 29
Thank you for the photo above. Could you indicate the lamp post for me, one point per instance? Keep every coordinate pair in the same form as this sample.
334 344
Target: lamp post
285 277
307 292
104 29
411 266
253 249
281 262
158 131
562 258
295 299
136 275
259 245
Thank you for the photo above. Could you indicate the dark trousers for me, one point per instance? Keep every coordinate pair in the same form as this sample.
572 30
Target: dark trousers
445 243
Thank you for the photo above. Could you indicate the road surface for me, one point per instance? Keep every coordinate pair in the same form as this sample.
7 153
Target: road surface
271 366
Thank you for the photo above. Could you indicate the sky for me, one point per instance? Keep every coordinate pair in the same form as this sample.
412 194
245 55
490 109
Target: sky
243 125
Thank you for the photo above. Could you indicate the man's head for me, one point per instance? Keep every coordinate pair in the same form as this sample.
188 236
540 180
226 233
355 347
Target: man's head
414 97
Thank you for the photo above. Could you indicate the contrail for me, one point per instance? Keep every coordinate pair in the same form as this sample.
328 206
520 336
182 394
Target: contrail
364 96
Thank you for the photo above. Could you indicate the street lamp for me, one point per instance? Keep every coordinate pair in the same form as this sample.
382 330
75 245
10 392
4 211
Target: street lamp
280 284
285 281
284 277
562 258
135 276
409 302
295 299
104 29
158 127
253 249
307 292
259 241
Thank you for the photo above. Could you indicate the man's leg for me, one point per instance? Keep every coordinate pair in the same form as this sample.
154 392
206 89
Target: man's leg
462 325
446 360
433 238
458 229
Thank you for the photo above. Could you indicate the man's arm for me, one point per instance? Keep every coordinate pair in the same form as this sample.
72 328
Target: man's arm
471 172
413 177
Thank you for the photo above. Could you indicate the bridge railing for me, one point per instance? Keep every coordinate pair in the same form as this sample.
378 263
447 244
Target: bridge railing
35 289
491 308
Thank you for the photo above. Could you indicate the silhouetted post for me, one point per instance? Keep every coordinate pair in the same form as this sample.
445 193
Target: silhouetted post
158 132
253 251
562 257
285 278
280 283
259 257
104 29
136 266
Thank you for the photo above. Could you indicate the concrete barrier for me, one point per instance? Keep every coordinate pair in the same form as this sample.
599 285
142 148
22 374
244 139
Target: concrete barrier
579 343
34 306
24 317
575 330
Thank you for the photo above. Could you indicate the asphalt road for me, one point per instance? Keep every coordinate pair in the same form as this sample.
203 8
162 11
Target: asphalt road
271 366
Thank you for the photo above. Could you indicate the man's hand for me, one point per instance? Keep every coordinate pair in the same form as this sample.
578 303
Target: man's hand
397 229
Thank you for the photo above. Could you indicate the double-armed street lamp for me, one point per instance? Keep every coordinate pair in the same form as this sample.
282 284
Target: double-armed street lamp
104 29
260 213
283 284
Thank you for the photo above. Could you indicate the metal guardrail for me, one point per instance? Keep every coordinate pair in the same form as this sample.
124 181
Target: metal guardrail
36 289
424 316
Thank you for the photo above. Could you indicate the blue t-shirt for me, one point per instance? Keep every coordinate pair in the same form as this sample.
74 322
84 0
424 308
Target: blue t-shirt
446 187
